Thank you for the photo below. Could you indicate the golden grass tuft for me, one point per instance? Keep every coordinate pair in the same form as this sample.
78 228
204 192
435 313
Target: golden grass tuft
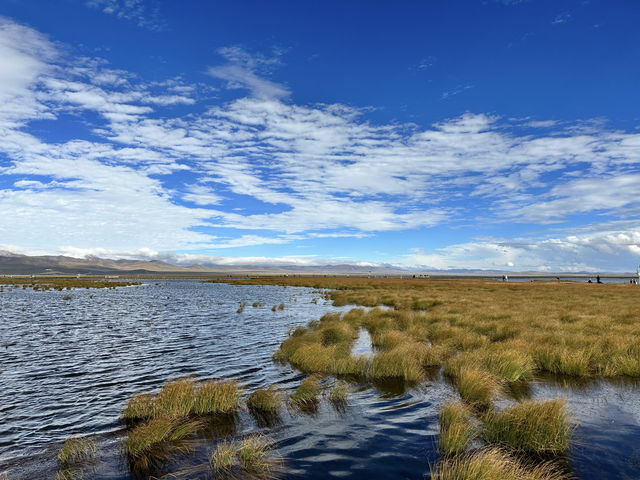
216 397
251 457
175 399
456 428
339 393
265 400
306 395
477 387
493 464
140 407
540 427
223 458
154 442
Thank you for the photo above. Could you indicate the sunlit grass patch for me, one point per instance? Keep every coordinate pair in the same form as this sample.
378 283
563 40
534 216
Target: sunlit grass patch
306 395
156 441
253 454
531 426
313 358
252 457
265 400
397 363
358 366
140 407
456 428
477 387
216 397
175 399
563 361
493 464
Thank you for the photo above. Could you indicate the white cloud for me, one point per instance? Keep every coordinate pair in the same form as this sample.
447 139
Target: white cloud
134 10
303 171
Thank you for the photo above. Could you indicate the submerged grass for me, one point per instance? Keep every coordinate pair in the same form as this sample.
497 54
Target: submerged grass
539 427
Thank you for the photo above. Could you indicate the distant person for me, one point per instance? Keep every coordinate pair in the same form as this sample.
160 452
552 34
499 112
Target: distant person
506 278
598 279
589 281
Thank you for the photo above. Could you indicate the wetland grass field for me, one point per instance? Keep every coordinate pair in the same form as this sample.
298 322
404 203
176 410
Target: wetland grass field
458 380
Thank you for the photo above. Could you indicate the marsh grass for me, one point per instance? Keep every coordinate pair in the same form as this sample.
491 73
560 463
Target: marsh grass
265 400
539 427
281 306
306 395
223 458
477 387
175 399
396 363
493 464
214 397
339 393
253 454
457 430
75 451
151 444
183 398
252 457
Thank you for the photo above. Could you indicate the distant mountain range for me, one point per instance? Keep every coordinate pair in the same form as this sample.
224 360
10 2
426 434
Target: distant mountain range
17 264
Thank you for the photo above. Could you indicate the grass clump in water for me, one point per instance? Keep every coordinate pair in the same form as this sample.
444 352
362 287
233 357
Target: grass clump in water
306 395
339 393
493 464
397 363
154 442
540 427
140 407
477 387
281 306
456 428
223 458
176 398
76 450
249 458
253 454
216 397
267 400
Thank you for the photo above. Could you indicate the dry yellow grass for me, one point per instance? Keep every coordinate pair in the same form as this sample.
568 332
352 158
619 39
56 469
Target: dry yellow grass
516 329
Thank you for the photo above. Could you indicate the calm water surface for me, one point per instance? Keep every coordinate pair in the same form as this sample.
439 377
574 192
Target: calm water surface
69 367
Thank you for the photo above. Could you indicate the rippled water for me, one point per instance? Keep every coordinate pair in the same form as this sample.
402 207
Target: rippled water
69 367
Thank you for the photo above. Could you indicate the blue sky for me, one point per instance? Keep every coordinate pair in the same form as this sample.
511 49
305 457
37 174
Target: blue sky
496 134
